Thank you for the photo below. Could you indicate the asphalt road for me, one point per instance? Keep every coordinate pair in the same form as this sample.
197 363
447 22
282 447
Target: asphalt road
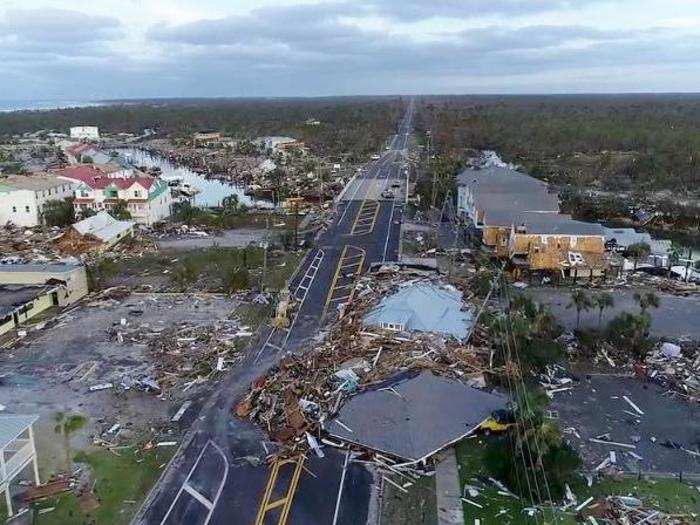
675 318
219 474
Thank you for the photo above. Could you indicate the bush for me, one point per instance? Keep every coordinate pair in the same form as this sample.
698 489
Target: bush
629 332
504 458
59 213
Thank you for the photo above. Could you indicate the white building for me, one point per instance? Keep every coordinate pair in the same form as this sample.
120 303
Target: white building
17 452
148 199
85 132
23 197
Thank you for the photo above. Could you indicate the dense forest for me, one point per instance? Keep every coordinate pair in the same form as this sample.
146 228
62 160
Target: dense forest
358 124
615 142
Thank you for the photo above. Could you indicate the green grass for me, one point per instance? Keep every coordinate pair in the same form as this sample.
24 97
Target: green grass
667 495
121 483
210 269
470 459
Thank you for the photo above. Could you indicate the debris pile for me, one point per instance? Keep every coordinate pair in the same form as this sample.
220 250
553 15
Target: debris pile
18 244
296 397
628 509
675 369
187 352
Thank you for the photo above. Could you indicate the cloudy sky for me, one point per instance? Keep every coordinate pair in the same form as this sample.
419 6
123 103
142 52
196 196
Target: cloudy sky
96 49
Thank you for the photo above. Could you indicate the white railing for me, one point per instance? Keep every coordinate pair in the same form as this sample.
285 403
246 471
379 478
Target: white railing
18 460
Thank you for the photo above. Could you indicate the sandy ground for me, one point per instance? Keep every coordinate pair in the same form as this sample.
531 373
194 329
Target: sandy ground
53 369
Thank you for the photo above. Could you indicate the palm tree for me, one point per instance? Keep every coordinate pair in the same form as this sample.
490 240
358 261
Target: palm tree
647 300
582 302
602 301
674 255
638 251
66 424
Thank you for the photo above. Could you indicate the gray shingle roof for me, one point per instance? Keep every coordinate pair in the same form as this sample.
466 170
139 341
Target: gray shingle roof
430 413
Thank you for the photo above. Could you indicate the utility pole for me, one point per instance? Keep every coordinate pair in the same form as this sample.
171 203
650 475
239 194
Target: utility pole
434 194
266 242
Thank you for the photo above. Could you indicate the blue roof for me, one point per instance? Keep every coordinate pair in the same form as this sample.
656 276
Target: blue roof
425 307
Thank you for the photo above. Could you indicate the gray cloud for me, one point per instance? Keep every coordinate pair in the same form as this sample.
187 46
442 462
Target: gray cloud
325 49
48 26
420 9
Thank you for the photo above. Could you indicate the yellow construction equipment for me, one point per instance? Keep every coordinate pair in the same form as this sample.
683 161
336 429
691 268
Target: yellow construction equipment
499 421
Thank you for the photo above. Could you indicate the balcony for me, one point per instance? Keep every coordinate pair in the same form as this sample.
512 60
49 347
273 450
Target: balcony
16 456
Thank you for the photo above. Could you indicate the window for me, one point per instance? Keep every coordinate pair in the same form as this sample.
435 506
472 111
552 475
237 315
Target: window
26 208
14 209
136 193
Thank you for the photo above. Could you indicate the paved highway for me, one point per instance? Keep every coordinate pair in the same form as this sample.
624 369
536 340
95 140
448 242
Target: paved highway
217 476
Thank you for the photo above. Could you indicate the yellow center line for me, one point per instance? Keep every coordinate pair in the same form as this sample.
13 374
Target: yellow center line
285 501
341 265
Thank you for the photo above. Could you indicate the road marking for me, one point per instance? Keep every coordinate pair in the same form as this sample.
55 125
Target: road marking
285 501
355 275
196 495
311 272
186 487
366 218
340 489
388 230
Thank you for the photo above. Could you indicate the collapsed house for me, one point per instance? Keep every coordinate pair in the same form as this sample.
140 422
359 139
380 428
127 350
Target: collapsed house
97 233
423 306
20 303
413 415
72 278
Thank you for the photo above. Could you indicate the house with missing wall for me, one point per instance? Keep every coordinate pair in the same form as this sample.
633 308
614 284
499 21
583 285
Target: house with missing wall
517 217
27 290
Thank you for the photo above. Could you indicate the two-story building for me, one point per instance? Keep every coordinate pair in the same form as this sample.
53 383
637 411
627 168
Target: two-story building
23 197
517 217
148 199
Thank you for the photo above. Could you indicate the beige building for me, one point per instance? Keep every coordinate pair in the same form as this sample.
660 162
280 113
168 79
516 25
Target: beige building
71 276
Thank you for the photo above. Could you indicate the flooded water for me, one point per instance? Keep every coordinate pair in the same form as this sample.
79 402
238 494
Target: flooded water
212 191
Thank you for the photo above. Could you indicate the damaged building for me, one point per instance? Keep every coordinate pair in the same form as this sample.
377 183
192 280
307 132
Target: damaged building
423 306
97 233
517 217
413 415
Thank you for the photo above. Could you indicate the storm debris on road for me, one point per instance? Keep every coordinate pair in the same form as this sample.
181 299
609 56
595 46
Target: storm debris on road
303 392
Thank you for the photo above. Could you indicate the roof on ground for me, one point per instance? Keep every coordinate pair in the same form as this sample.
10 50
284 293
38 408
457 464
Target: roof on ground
12 296
424 306
12 425
428 414
53 267
102 226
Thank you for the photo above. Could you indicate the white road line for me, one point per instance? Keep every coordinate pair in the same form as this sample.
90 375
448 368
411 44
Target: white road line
201 499
311 273
340 489
196 495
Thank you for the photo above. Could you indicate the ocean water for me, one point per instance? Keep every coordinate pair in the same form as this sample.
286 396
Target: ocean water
43 105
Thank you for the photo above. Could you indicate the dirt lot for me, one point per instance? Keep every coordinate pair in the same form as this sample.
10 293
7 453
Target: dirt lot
54 368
